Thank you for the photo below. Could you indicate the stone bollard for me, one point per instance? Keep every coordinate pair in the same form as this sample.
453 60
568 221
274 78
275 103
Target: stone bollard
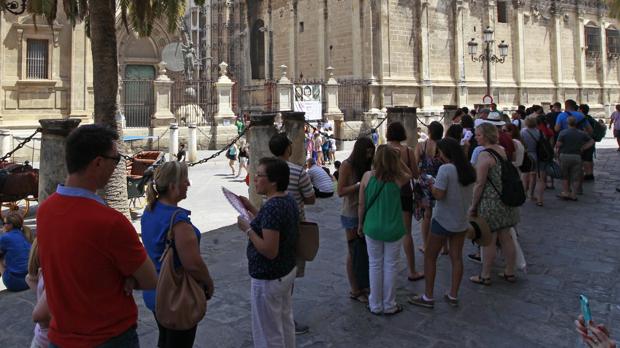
192 146
5 141
52 168
262 129
173 141
407 116
294 125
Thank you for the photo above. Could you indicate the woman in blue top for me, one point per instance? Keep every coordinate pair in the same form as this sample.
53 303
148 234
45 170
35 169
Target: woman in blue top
272 236
14 250
169 187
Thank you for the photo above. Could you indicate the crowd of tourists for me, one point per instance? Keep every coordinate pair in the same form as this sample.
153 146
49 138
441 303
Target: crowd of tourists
466 181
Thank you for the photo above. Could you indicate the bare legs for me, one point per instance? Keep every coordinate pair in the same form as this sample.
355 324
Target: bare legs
351 235
435 243
231 164
425 227
409 247
508 249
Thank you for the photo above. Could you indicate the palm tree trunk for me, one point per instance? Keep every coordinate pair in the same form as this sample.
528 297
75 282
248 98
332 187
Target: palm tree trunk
102 15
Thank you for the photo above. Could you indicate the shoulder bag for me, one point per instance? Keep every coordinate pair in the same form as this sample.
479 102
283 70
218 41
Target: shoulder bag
180 302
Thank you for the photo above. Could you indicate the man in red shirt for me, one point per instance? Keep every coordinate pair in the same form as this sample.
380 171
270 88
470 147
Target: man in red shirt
90 253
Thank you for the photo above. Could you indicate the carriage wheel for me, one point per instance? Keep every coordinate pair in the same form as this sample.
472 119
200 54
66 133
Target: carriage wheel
22 206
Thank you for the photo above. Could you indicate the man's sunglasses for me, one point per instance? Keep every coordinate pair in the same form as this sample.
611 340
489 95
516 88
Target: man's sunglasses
116 158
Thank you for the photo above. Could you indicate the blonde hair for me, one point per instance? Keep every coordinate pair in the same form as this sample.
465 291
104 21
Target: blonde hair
489 132
15 219
33 259
387 163
165 175
531 121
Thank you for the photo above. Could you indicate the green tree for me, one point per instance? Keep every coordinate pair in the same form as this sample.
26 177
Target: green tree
614 8
100 19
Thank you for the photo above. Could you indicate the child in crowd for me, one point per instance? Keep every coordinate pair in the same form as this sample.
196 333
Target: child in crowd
41 312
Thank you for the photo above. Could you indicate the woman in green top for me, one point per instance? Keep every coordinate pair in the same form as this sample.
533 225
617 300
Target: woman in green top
379 213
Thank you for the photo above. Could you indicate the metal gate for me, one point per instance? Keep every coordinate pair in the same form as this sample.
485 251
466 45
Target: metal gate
138 102
353 98
194 102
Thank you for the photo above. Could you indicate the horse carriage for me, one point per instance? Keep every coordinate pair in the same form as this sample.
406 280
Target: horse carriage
19 185
140 170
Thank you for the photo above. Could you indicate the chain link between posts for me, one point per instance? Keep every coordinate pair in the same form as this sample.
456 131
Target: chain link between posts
362 135
20 145
222 150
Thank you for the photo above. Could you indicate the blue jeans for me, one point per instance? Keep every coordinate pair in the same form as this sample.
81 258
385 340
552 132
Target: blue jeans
128 339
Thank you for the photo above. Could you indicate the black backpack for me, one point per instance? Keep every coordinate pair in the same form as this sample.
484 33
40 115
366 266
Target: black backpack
513 193
544 151
598 129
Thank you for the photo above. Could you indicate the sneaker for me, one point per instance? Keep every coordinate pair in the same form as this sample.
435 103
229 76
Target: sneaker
474 258
420 300
301 329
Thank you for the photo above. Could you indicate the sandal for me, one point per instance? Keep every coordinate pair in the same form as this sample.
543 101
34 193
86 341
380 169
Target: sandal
540 204
419 300
454 302
371 312
419 276
399 308
511 278
478 279
359 296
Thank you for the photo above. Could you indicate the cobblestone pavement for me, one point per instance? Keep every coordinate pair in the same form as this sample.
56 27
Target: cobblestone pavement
571 248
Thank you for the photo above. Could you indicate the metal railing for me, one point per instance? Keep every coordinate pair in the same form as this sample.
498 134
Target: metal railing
137 102
194 102
353 98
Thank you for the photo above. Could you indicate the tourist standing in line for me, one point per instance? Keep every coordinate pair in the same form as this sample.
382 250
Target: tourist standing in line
453 189
15 246
163 194
396 135
272 235
587 156
90 252
614 120
317 147
569 147
380 214
351 171
244 157
300 188
231 154
487 204
534 180
429 162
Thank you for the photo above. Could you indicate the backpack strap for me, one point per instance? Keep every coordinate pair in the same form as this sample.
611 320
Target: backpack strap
499 160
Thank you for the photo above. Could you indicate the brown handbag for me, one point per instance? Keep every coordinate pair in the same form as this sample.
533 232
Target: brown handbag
308 240
180 302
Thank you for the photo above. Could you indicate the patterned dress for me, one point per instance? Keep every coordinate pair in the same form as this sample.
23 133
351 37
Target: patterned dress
492 209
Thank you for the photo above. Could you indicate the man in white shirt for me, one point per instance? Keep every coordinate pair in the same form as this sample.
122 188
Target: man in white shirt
321 181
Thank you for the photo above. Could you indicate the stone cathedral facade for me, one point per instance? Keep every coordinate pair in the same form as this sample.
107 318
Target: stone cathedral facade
416 52
383 53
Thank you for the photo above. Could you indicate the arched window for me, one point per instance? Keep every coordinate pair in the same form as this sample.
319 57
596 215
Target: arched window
613 42
257 50
593 40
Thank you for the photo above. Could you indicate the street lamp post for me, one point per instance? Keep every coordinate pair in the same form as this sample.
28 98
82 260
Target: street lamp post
487 56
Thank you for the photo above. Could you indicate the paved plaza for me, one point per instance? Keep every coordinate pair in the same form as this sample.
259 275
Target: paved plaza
570 247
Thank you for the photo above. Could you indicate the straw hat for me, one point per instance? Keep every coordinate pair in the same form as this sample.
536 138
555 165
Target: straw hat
479 231
494 118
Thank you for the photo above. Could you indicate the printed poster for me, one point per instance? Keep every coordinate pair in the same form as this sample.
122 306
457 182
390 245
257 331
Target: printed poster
309 99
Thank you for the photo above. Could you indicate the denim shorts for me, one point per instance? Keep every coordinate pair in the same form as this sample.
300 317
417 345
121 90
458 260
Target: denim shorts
14 282
438 230
348 222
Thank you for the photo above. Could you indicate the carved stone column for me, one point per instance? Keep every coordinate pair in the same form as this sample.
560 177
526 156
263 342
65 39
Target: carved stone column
163 116
333 113
285 92
408 117
258 137
224 115
294 126
52 170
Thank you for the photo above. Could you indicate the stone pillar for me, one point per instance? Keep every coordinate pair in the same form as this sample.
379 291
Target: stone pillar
461 55
294 126
333 113
407 116
556 56
603 67
192 143
6 143
425 70
225 115
448 113
519 55
285 92
173 141
580 62
162 85
52 168
262 129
